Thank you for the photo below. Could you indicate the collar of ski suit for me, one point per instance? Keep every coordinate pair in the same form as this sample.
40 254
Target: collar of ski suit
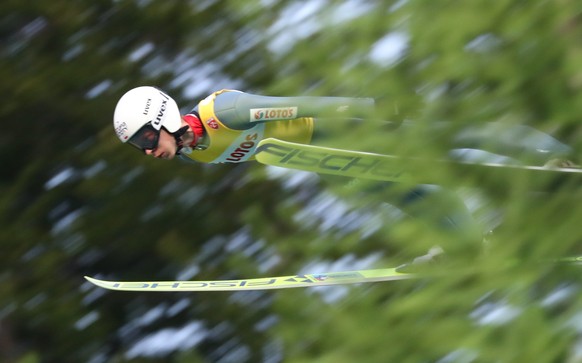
196 125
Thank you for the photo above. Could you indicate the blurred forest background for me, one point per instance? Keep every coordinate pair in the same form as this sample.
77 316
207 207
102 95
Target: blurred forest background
75 202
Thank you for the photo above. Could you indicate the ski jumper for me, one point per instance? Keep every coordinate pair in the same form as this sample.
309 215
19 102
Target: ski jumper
234 122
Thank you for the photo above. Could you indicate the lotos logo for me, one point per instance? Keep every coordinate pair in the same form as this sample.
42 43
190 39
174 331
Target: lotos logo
243 149
278 113
258 115
212 123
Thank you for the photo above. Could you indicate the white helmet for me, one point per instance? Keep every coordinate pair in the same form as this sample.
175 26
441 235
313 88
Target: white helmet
145 108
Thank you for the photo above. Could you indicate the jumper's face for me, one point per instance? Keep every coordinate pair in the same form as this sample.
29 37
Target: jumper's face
166 146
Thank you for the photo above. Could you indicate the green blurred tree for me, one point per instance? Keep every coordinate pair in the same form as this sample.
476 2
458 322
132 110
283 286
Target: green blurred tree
76 202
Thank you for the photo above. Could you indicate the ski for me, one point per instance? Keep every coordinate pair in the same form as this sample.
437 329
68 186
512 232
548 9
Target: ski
366 165
279 282
264 283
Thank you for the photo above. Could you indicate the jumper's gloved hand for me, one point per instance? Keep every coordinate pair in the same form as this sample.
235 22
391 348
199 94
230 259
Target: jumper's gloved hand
397 108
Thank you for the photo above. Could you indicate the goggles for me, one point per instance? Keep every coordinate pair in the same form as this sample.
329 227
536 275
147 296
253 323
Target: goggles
146 138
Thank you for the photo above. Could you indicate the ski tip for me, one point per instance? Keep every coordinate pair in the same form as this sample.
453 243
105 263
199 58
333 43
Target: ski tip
99 283
109 285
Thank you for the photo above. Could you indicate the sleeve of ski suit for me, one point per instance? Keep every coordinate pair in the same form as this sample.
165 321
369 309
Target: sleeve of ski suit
240 111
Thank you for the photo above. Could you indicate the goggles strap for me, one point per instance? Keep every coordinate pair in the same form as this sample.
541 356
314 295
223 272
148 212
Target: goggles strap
178 136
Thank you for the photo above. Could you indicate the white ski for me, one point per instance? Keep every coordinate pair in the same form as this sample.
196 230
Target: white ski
359 164
264 283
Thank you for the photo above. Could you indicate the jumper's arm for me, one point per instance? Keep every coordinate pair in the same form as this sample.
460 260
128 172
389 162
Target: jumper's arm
240 110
